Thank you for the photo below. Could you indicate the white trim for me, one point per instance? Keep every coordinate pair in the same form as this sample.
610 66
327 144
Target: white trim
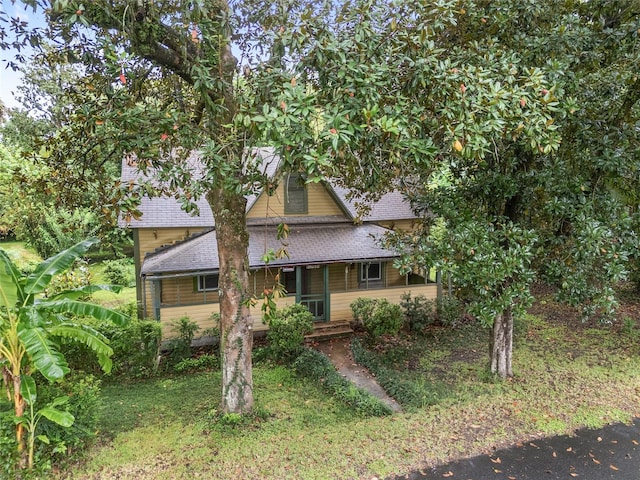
202 283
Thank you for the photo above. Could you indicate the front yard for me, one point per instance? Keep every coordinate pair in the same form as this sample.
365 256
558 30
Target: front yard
568 375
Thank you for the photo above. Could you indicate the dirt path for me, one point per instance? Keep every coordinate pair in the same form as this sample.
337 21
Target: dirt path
339 352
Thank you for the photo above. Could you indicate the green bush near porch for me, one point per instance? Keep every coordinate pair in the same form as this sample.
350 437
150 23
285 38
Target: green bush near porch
287 328
377 316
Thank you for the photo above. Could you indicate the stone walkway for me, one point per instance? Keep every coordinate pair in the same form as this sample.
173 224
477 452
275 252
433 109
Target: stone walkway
339 352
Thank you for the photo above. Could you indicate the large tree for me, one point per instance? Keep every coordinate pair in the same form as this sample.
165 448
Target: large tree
513 130
505 206
156 81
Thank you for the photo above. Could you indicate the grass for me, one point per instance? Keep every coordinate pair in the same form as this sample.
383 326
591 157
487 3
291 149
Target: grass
26 259
23 258
567 376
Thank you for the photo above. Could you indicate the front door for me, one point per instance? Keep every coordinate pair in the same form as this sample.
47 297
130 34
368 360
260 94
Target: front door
312 290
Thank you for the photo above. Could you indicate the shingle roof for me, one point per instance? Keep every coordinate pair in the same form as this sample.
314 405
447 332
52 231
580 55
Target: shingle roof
159 212
306 244
162 212
392 206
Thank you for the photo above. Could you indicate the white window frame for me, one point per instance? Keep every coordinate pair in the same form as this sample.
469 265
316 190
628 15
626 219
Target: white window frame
365 267
202 283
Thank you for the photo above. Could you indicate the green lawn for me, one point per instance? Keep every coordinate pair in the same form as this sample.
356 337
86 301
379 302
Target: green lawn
25 259
568 375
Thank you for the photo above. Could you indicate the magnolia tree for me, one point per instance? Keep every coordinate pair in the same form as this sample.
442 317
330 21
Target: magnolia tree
514 133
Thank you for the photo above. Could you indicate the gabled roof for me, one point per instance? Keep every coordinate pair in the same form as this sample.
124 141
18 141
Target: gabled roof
306 245
166 212
163 212
391 206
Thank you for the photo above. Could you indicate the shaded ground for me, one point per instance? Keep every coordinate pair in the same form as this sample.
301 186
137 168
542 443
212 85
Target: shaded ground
609 453
339 352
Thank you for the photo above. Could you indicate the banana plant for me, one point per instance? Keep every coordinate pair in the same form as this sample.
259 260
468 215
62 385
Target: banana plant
31 419
31 327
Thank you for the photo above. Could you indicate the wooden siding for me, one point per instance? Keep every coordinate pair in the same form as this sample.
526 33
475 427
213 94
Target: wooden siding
147 241
340 307
183 291
341 302
150 239
406 225
201 314
319 203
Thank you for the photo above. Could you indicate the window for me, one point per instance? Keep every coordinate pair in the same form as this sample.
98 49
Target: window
295 196
207 283
288 279
371 271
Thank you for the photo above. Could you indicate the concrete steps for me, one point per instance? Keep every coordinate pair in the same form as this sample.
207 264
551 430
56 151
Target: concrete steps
328 330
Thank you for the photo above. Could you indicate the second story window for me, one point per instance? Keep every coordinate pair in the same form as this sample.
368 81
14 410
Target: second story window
295 197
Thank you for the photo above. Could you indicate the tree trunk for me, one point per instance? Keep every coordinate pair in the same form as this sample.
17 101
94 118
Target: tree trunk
236 324
18 405
502 344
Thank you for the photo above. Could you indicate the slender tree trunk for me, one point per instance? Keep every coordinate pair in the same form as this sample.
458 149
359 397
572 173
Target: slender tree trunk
18 405
502 344
236 324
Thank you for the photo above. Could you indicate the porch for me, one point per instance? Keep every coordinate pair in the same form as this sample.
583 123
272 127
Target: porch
337 306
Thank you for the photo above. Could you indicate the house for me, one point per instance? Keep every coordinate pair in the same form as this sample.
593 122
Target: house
331 260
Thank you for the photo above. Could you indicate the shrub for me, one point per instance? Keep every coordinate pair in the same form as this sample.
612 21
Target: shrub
9 458
408 394
418 311
318 368
83 391
50 229
287 328
180 347
203 362
377 316
361 308
135 348
386 320
119 272
76 277
449 310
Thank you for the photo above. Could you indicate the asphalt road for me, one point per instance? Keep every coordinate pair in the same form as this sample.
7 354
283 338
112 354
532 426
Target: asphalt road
609 453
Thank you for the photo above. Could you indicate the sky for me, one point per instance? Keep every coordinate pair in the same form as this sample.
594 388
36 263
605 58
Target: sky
9 79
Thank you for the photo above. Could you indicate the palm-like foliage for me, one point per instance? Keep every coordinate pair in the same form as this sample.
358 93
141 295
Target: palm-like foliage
30 328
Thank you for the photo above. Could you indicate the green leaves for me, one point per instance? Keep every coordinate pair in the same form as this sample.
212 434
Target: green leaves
43 353
88 336
61 417
15 278
82 309
38 281
28 389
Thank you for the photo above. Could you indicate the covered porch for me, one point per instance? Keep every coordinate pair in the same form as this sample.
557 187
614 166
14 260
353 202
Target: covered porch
327 267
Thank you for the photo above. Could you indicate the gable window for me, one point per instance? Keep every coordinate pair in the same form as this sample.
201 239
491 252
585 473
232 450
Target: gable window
371 272
207 283
295 197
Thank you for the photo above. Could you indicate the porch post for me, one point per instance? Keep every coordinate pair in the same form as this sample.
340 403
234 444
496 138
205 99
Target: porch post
346 277
143 298
298 284
366 274
155 295
327 294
